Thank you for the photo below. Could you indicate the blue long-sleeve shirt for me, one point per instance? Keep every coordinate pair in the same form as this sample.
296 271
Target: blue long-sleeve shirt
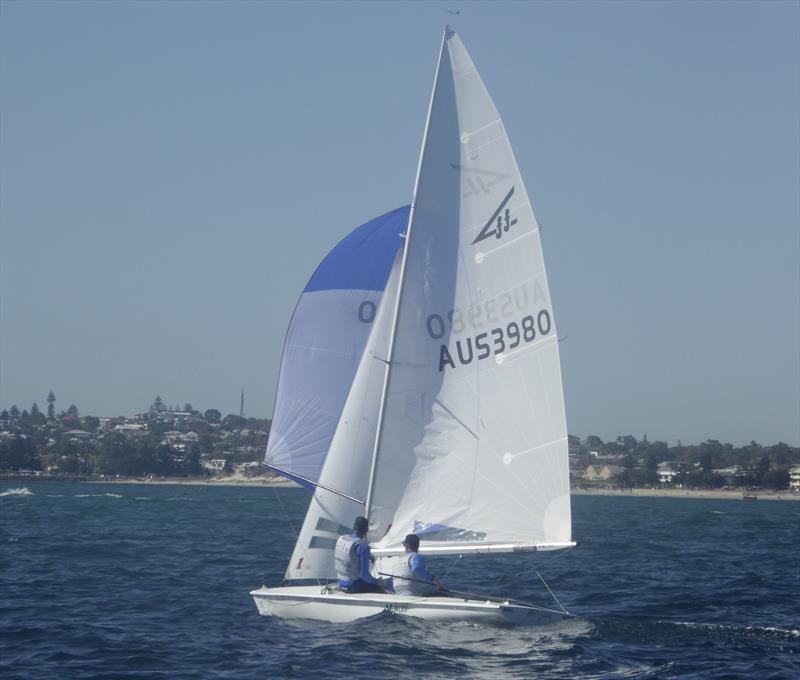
363 554
418 570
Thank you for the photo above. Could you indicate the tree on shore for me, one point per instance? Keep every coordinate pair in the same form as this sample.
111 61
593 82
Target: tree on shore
18 453
51 406
37 417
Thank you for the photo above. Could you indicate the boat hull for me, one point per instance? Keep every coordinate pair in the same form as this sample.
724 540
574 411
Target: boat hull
332 605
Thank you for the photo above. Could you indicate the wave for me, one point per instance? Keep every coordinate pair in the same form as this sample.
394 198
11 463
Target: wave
23 491
98 495
758 631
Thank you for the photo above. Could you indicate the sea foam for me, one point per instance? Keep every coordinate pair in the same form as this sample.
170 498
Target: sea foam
23 491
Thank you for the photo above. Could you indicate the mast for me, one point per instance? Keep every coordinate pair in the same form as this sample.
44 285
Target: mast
396 312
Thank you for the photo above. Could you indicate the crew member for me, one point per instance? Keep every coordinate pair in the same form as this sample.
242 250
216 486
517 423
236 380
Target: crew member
410 575
352 560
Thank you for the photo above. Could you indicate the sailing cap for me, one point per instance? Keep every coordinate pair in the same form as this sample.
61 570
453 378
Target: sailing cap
361 525
412 541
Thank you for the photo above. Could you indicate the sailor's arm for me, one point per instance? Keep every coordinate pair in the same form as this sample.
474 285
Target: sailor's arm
364 563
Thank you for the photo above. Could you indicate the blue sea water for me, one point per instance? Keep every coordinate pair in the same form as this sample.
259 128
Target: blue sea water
135 581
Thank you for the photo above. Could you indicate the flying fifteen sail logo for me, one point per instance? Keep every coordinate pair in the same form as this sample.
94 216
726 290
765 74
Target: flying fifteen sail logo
499 223
478 181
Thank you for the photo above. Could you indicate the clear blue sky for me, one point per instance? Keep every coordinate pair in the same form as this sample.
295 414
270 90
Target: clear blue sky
171 174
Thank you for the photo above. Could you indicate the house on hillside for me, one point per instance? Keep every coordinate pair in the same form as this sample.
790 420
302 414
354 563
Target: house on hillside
794 478
666 476
601 473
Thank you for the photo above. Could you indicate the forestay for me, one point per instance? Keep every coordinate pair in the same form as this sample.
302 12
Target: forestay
472 448
325 342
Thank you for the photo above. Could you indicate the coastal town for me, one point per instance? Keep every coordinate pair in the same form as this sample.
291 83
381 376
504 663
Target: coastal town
161 442
171 442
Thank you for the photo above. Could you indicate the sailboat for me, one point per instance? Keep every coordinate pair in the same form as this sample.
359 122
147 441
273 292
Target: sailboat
420 384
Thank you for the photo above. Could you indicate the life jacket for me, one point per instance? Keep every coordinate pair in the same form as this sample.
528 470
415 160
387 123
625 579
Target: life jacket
347 566
402 583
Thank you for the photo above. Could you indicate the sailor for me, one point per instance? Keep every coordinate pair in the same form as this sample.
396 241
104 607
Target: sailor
410 575
352 560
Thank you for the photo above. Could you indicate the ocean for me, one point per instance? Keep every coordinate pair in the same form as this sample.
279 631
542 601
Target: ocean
147 581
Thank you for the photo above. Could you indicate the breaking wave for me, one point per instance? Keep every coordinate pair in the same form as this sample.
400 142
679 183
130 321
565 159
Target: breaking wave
22 491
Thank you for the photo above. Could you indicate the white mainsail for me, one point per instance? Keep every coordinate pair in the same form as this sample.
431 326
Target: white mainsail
472 448
460 435
453 424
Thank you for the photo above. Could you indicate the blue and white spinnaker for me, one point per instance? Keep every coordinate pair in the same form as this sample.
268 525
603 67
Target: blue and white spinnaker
325 342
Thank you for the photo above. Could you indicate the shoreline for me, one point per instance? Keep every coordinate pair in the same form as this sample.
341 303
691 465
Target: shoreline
232 480
197 481
279 482
707 494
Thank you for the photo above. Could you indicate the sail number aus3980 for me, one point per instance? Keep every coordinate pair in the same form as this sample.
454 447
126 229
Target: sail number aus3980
495 341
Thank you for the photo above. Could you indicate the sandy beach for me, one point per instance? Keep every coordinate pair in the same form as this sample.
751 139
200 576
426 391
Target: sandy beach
231 480
718 494
730 494
269 481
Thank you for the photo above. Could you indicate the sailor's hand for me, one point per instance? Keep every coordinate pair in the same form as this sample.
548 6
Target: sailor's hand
437 583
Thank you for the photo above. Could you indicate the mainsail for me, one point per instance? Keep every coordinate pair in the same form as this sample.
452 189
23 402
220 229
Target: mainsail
449 420
472 448
325 342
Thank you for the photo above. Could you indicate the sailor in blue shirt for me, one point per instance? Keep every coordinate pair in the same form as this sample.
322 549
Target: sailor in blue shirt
411 574
352 561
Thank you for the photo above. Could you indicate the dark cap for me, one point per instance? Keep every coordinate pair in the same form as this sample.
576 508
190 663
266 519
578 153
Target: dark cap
412 541
361 525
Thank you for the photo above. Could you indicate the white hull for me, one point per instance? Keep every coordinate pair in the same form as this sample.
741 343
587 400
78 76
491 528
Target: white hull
330 604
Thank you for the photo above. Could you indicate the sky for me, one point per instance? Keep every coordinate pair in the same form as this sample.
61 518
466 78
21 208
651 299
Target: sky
171 173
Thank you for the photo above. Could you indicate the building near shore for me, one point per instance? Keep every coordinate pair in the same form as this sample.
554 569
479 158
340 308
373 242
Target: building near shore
601 473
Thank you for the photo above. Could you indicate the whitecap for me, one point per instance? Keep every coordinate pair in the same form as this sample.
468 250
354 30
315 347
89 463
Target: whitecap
97 495
791 632
740 630
23 491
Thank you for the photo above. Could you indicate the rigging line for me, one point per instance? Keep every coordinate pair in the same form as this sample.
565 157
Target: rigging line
450 568
456 418
558 602
288 521
481 596
314 484
501 577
